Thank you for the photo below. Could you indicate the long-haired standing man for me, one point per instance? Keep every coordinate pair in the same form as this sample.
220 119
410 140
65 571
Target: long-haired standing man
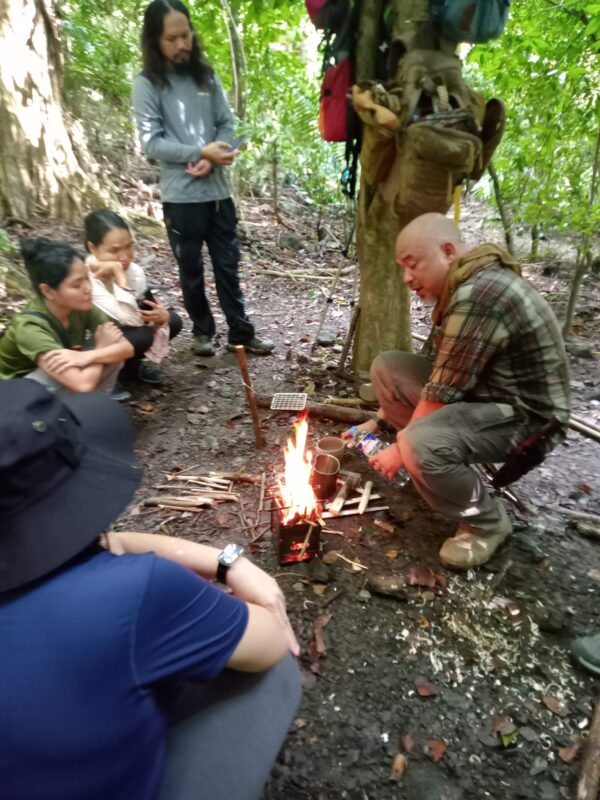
185 124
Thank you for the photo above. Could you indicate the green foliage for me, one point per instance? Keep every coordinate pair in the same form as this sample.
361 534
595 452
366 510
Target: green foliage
545 68
102 44
5 245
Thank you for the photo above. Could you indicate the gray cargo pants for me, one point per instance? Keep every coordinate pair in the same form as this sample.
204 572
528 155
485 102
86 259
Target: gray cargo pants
437 450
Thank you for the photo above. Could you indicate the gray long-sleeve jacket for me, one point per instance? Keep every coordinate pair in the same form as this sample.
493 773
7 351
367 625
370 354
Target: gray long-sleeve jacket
174 123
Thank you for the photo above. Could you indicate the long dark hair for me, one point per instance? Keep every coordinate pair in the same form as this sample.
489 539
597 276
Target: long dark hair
99 223
155 64
47 261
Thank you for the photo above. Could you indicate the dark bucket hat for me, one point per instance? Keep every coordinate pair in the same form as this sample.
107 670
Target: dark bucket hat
66 473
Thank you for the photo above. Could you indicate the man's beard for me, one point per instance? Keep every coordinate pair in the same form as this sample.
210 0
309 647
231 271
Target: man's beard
181 67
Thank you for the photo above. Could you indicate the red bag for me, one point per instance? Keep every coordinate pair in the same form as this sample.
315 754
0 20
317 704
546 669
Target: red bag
334 103
314 8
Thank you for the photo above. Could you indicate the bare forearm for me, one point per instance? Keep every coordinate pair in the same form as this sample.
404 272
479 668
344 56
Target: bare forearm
424 408
200 558
112 353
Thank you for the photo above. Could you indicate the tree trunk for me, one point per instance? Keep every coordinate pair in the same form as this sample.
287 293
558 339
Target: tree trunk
584 252
502 209
49 170
384 322
239 66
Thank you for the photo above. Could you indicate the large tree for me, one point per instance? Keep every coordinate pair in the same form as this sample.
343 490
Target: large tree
44 165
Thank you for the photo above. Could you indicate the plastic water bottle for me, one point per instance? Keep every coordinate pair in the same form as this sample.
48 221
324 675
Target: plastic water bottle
368 444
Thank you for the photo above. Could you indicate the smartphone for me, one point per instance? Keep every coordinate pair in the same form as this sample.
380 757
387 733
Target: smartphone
239 142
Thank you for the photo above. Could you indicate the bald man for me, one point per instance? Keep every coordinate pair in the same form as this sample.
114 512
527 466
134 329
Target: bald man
492 373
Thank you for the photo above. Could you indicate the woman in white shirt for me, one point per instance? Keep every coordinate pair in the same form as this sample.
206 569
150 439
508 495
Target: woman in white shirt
120 290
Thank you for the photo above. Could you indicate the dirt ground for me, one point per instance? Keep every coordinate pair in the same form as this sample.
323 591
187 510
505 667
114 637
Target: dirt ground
463 679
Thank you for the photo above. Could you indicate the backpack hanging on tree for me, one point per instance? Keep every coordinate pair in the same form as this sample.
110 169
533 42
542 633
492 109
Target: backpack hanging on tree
337 119
474 21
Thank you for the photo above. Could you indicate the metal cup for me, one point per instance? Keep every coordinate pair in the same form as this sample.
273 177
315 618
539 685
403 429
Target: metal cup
324 476
331 446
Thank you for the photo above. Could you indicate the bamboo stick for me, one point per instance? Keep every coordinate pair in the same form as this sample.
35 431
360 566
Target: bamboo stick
366 496
353 512
214 494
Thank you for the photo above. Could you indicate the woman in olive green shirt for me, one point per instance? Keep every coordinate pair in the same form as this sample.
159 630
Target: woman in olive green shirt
49 340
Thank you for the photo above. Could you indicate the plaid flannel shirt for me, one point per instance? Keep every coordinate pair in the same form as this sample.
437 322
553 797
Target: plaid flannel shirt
500 342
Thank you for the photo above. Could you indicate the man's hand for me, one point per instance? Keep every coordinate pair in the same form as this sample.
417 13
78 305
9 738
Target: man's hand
251 584
58 361
199 170
154 314
107 334
370 426
387 462
219 153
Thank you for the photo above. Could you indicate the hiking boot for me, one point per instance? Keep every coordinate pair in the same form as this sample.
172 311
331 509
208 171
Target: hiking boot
257 346
119 394
203 346
148 374
472 547
586 651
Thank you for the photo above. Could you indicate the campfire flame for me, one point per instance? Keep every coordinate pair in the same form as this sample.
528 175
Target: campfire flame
298 501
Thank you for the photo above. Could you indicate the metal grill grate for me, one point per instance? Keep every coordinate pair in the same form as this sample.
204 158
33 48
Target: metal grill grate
288 401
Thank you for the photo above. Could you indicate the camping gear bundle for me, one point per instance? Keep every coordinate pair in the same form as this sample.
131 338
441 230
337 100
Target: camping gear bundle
424 130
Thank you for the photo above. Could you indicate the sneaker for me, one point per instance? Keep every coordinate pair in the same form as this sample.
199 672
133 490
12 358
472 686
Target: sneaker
203 346
586 651
472 547
148 374
119 394
257 346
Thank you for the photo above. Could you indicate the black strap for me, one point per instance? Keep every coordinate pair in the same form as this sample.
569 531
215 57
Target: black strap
58 329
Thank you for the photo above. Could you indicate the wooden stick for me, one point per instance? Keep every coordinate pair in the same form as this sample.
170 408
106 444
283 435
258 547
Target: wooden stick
366 495
589 775
240 352
355 500
353 512
571 512
202 491
238 477
261 499
183 502
352 416
584 428
349 338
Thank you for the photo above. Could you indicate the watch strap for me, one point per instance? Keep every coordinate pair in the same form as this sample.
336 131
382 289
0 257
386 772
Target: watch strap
222 570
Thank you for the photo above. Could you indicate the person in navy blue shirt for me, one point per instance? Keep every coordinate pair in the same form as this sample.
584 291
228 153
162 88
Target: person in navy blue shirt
125 675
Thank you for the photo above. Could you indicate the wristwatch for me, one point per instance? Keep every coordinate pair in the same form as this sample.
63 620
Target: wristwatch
226 558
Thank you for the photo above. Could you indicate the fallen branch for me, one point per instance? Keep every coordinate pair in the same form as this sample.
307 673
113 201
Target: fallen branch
589 776
570 512
351 416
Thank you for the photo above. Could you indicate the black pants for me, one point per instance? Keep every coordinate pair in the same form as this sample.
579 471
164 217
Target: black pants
140 337
189 225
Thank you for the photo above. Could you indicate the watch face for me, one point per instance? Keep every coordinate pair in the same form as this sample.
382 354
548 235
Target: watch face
230 554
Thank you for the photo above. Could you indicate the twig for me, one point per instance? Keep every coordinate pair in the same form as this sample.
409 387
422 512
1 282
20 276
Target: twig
333 598
356 564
